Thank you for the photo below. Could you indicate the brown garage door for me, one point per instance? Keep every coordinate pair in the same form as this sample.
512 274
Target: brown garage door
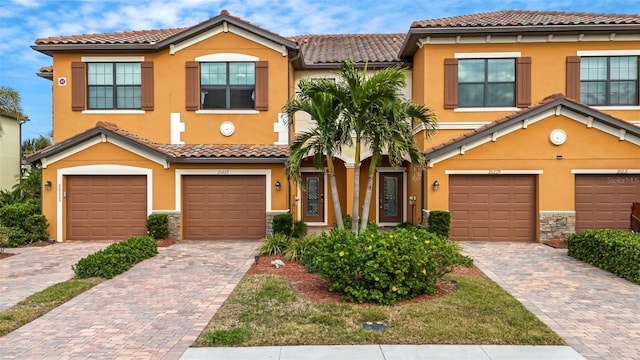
492 207
110 207
224 207
604 201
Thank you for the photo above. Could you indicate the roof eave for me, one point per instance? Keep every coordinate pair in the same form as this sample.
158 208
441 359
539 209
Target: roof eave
49 49
409 46
45 75
228 160
370 65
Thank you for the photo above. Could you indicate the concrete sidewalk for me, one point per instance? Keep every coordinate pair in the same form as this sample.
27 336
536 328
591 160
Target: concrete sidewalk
386 352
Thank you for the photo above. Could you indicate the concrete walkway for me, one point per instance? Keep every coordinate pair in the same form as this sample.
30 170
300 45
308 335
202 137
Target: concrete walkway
33 269
156 310
595 312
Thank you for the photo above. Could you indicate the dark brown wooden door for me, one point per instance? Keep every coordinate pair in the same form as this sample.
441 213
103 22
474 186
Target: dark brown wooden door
313 197
390 197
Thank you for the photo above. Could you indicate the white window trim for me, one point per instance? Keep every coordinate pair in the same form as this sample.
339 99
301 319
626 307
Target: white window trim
326 189
112 59
227 57
486 109
488 55
493 172
113 112
221 172
98 170
404 193
229 112
608 52
617 107
605 171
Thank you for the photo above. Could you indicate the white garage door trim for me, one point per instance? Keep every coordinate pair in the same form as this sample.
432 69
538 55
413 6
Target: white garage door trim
222 172
604 171
98 170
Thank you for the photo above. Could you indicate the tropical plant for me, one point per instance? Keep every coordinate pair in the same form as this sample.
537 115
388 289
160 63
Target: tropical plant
29 146
324 139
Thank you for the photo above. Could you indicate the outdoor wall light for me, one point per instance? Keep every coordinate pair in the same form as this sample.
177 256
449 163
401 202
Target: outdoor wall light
47 185
558 157
436 185
278 185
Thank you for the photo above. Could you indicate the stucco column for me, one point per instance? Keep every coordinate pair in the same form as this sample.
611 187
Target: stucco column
349 187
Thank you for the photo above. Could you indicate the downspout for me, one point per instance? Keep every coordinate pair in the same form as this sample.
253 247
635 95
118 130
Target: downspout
422 195
291 60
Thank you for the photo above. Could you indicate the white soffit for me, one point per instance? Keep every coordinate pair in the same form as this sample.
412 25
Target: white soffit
226 27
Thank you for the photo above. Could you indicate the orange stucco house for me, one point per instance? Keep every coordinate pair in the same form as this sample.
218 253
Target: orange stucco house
537 137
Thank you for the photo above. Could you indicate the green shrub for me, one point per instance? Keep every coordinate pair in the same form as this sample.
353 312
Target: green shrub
274 244
299 229
616 251
282 224
383 267
440 223
158 226
25 222
4 238
298 248
116 258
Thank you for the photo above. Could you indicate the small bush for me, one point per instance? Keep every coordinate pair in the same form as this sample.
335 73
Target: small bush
274 244
25 223
282 224
4 238
116 258
616 251
440 223
383 267
299 229
158 226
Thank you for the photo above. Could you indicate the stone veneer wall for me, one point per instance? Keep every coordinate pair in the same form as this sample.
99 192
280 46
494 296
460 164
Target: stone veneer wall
556 225
424 221
174 223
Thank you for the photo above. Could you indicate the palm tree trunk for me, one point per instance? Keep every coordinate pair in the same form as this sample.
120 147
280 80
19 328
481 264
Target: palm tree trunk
356 188
367 196
337 209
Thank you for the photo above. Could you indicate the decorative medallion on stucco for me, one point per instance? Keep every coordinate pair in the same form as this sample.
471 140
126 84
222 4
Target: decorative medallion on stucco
558 137
227 128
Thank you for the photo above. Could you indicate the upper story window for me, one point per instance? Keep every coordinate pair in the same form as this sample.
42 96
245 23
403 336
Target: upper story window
486 83
113 85
609 80
227 85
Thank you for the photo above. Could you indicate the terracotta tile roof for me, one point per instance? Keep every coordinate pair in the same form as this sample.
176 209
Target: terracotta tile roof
130 37
46 69
226 151
523 114
361 48
527 18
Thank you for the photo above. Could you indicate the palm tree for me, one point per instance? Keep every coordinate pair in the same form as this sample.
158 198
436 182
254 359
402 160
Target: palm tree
10 103
29 146
392 131
324 139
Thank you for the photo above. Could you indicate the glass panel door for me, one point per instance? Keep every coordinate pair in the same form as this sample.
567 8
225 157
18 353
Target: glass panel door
390 197
313 197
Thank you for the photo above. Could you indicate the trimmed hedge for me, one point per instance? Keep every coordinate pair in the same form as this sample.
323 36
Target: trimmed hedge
440 223
25 223
282 224
116 258
616 251
158 226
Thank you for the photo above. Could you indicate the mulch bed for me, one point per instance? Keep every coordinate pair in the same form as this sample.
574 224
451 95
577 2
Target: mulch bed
557 244
166 242
313 288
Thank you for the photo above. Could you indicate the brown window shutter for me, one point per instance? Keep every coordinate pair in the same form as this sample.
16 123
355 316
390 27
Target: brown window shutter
262 85
78 86
573 77
192 85
523 82
450 83
146 102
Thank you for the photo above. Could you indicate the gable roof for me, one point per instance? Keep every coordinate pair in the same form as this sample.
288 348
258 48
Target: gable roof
519 22
151 40
557 103
168 153
328 50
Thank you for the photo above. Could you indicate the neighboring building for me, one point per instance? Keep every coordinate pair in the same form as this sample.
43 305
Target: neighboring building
9 151
189 122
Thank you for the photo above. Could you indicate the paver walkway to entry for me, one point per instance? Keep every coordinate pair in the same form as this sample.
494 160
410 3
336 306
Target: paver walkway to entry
156 310
595 312
33 269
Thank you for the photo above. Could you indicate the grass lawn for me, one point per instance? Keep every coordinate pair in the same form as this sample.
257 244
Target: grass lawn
42 302
263 310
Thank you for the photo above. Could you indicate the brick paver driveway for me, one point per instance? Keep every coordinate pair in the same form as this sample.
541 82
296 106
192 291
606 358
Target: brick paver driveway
154 311
596 313
33 269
